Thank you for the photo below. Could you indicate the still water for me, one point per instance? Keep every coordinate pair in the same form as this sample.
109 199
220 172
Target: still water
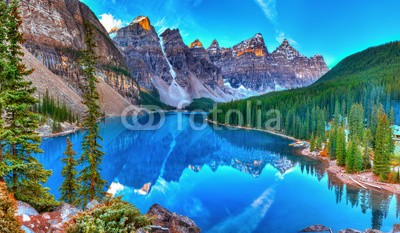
226 180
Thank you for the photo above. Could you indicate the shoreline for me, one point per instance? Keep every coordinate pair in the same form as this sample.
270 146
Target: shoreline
254 129
366 180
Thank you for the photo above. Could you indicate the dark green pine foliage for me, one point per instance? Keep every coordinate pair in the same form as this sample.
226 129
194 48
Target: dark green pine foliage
23 173
92 185
382 147
392 145
341 147
4 69
356 121
367 146
313 144
332 141
354 162
70 187
58 111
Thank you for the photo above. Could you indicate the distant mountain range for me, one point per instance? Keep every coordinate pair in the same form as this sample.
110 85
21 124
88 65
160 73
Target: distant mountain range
180 72
139 62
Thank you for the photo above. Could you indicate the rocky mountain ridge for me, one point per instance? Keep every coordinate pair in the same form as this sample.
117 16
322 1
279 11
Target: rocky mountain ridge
55 34
249 65
180 72
166 65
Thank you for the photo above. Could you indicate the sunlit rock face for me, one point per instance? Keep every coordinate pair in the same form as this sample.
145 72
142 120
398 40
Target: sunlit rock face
143 21
165 64
254 46
196 43
249 65
55 34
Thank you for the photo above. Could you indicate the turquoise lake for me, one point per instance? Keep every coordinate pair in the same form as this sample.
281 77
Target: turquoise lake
226 180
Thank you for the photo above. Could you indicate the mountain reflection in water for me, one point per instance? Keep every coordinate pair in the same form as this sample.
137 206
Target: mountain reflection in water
226 180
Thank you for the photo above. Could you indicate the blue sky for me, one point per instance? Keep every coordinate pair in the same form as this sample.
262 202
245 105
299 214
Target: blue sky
333 29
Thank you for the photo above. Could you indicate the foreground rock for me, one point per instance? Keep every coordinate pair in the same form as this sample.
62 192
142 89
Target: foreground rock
166 221
49 222
322 228
316 228
53 222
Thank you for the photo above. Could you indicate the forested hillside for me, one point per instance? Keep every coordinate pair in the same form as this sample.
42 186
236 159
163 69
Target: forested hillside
362 89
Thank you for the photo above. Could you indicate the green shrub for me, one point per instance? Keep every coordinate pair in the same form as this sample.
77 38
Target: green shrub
114 215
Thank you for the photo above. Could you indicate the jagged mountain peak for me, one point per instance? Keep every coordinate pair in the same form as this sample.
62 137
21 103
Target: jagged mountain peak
143 21
214 45
286 50
196 44
254 45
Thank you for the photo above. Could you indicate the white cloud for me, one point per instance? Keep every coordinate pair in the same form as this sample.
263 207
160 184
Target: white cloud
269 9
109 21
280 36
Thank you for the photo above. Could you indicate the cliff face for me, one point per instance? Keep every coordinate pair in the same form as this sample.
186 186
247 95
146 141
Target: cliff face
55 33
249 65
165 64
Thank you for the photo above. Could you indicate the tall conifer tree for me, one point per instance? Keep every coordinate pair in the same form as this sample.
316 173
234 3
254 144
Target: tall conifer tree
341 147
70 187
92 185
22 172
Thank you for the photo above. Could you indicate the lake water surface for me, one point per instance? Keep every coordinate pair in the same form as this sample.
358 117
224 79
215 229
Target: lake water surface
226 180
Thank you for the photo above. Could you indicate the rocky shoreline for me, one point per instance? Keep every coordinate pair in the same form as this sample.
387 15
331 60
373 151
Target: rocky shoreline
322 228
365 180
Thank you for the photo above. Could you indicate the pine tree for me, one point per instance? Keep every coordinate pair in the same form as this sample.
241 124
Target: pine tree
92 183
341 147
392 145
354 161
382 150
312 143
8 222
4 70
351 156
24 175
332 142
367 145
70 187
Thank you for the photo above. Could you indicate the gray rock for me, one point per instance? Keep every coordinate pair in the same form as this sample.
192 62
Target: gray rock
92 204
164 219
348 230
66 210
396 228
27 229
316 228
25 208
372 231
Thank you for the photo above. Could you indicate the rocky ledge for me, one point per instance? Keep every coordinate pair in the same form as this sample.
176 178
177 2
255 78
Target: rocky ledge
164 221
322 228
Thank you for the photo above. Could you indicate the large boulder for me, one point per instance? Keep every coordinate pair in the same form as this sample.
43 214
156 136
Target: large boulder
316 228
348 230
372 231
396 228
164 219
66 211
25 209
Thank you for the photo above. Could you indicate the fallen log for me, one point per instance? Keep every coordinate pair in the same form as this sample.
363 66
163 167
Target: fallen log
357 182
372 185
